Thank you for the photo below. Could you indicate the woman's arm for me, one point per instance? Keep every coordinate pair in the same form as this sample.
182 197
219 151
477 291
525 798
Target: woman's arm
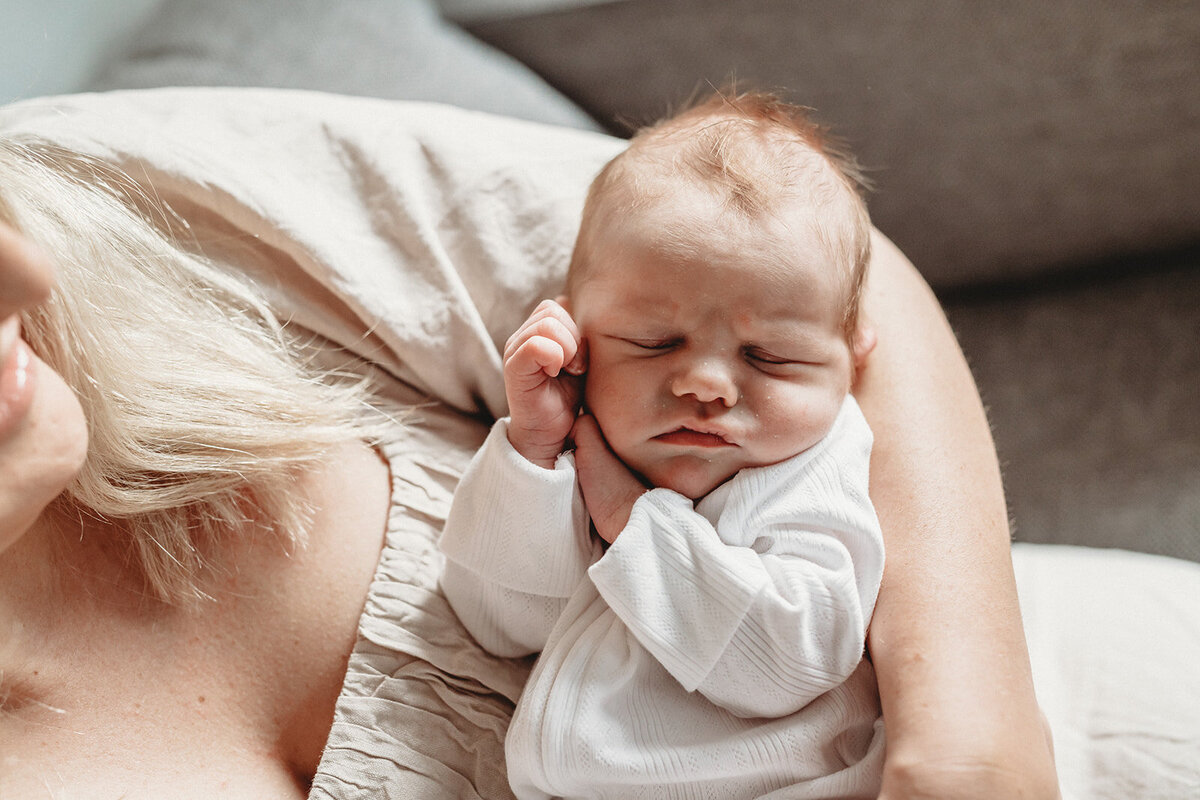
946 639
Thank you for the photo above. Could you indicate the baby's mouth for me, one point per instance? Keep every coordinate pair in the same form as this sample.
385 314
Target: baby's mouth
689 437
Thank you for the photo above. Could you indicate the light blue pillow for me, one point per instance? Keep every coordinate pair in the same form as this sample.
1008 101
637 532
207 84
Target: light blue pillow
394 49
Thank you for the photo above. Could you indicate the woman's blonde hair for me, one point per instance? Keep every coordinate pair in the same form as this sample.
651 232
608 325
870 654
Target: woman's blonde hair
202 410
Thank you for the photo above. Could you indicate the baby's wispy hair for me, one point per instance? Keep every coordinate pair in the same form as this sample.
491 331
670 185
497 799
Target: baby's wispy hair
754 151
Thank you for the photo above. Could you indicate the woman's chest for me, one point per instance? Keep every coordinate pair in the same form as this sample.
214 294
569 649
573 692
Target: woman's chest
227 711
64 759
160 722
231 698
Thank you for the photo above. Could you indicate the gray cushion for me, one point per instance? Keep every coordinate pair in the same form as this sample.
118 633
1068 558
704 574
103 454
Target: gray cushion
1005 138
1093 394
397 49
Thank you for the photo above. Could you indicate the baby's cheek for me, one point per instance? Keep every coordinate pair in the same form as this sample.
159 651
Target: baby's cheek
603 401
594 398
795 420
612 389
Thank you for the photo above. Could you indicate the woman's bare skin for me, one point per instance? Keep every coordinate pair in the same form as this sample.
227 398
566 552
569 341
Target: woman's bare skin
109 694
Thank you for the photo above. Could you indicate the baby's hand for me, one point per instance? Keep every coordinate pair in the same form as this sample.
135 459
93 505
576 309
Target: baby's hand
609 488
542 401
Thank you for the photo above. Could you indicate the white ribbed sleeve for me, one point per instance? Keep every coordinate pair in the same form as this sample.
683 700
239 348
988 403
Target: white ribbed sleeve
516 544
767 608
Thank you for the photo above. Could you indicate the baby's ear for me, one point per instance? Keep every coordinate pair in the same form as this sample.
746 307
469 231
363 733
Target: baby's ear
864 343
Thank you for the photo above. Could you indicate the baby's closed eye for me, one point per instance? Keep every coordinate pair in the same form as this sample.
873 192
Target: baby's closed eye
651 344
781 363
768 357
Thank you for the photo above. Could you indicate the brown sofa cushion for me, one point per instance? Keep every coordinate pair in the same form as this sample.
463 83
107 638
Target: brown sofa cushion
1006 139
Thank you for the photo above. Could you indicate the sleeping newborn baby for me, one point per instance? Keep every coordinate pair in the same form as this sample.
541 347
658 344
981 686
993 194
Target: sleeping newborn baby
699 572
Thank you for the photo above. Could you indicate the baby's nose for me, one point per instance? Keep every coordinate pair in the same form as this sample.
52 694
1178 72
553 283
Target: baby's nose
708 381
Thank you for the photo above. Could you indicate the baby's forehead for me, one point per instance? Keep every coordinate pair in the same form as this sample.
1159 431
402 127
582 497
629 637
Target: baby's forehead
700 179
751 176
641 258
700 302
688 217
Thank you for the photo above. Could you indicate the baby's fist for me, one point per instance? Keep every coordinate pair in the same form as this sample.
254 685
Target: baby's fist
543 360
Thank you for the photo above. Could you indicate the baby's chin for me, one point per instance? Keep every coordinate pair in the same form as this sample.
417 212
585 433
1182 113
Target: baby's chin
691 477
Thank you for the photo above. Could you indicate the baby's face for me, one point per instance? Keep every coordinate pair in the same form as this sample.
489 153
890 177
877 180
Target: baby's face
721 350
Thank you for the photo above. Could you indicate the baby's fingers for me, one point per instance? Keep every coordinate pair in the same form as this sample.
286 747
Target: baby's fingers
609 488
535 361
551 321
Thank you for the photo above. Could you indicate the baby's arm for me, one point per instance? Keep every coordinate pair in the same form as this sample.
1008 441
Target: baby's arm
773 612
516 545
516 541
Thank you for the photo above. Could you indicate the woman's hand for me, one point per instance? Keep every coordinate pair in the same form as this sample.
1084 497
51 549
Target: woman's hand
1013 771
609 488
542 400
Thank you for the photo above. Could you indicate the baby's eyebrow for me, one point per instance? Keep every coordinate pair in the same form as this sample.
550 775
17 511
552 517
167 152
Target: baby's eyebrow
640 314
780 327
787 336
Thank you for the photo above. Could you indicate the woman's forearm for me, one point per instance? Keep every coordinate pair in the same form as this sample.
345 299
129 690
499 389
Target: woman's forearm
946 638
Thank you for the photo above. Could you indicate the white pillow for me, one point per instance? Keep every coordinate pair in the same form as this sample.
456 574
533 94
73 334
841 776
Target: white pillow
1114 638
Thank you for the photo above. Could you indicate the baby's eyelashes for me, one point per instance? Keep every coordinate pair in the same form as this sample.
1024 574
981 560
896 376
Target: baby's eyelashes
759 356
766 358
653 344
